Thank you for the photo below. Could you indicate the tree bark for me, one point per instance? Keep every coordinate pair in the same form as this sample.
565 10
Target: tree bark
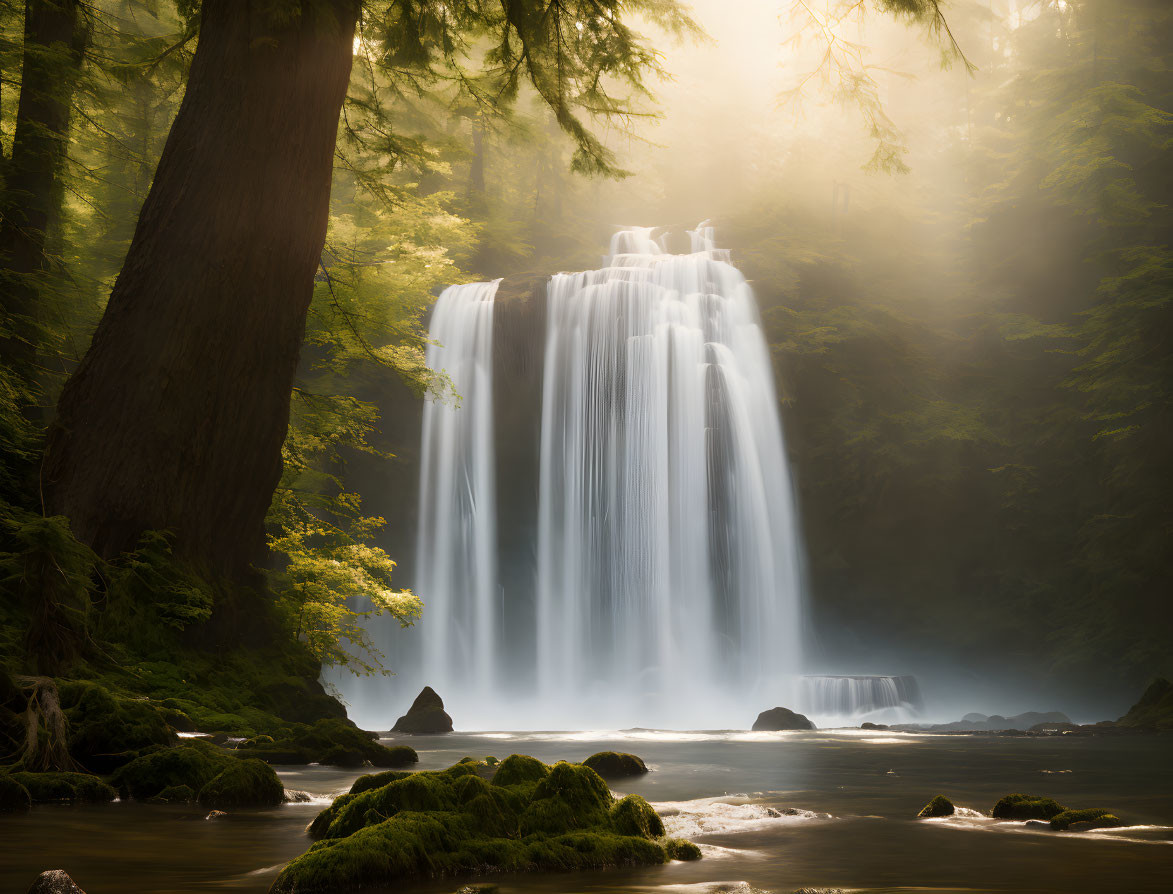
55 38
176 416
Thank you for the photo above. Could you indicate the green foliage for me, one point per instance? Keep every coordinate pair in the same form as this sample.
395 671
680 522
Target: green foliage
193 764
106 730
450 821
330 741
14 797
1155 708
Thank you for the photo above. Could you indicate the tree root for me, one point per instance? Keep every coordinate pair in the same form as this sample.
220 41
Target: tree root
46 745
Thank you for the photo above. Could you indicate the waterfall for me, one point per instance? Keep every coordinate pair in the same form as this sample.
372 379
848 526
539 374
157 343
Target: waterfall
456 562
845 698
668 567
649 573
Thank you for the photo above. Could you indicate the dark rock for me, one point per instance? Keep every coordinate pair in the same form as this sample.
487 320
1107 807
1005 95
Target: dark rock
192 765
426 716
108 730
781 719
55 881
174 794
939 806
333 742
616 765
14 797
869 725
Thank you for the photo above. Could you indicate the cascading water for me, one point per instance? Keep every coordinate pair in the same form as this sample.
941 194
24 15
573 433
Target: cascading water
456 559
659 583
668 567
831 699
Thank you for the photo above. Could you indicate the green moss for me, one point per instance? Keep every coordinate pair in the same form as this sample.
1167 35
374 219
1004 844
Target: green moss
193 765
44 787
939 806
14 797
247 783
108 730
679 849
616 765
1095 817
377 780
518 768
330 741
632 815
530 817
1025 807
174 794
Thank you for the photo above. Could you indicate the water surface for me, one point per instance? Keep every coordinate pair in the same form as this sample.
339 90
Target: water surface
853 793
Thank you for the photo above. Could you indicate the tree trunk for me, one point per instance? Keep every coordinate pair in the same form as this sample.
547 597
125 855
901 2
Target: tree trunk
176 416
55 37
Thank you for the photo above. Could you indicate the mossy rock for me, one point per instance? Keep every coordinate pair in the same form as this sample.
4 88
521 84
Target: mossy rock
14 797
46 787
174 794
192 765
632 815
615 764
939 806
332 742
520 768
529 817
1087 818
247 783
108 730
377 780
679 849
1024 807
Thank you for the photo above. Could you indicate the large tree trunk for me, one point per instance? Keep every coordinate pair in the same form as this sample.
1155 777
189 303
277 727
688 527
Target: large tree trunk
176 416
55 38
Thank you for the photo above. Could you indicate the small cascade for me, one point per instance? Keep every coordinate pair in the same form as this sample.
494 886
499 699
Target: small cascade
833 698
456 558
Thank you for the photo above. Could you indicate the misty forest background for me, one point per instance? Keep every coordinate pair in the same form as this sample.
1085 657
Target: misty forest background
963 270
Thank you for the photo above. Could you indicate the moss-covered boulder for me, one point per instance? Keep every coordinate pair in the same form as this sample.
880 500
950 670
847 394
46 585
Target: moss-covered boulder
615 764
46 787
377 780
1084 820
14 797
1025 807
679 849
174 794
331 741
108 730
248 783
939 806
193 765
528 817
426 716
1154 711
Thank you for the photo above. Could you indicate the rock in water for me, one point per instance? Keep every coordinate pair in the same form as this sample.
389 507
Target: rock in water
55 881
425 716
615 765
780 719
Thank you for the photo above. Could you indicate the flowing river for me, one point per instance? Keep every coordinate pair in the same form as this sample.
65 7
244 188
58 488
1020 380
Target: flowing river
773 812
